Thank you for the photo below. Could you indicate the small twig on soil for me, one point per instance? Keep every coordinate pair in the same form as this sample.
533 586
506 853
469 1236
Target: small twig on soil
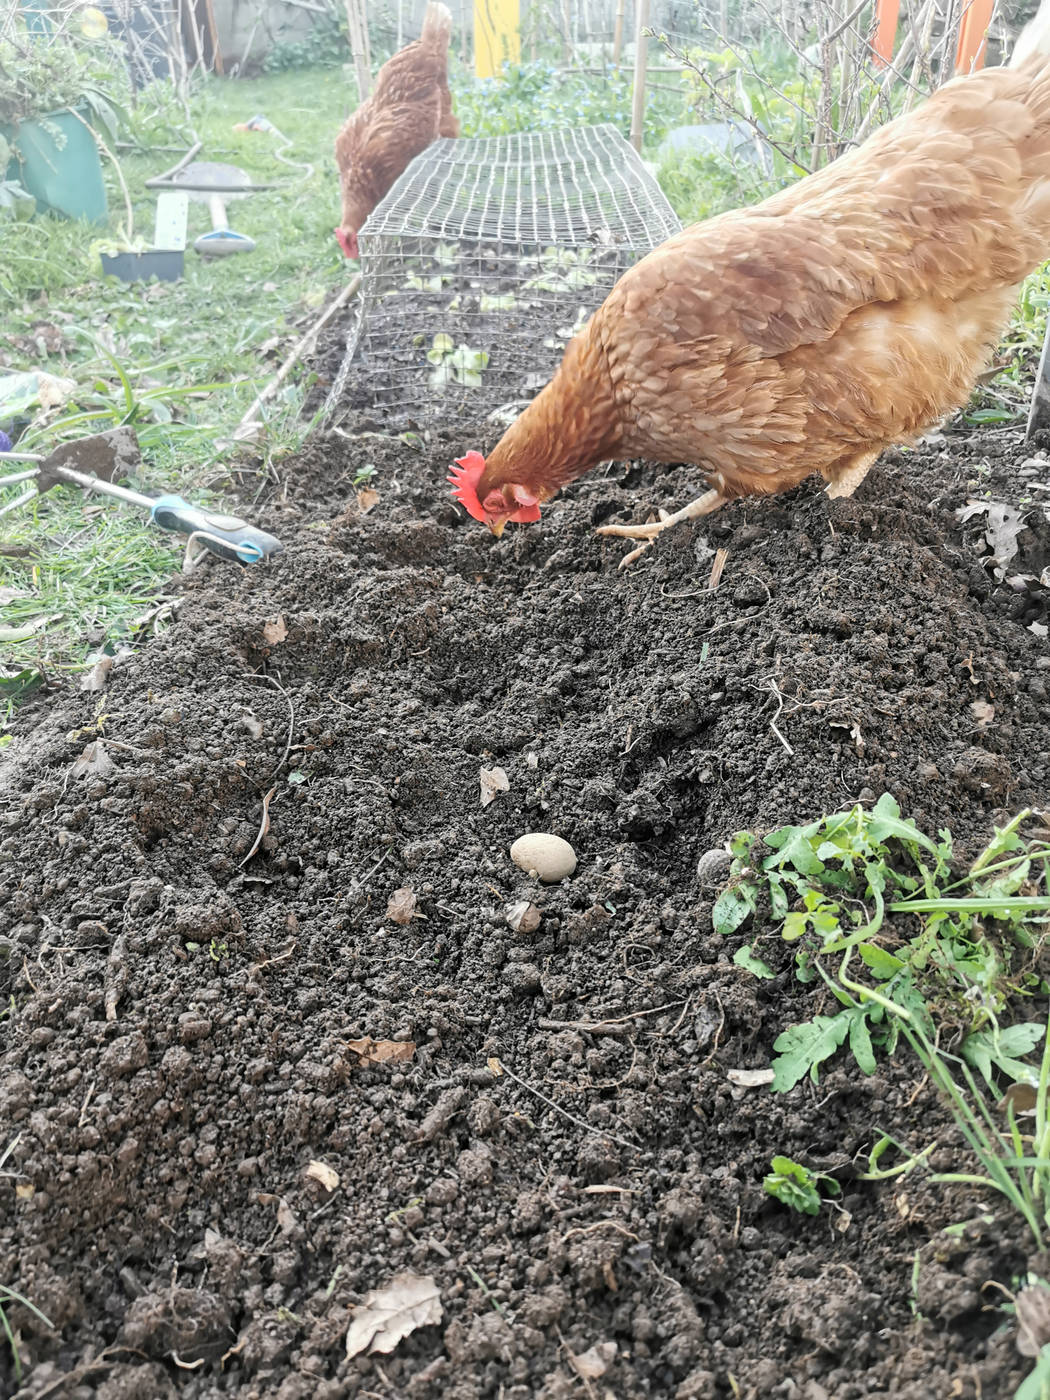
277 958
186 1365
269 680
360 884
264 826
599 1225
587 1127
616 1025
773 722
100 1363
84 1105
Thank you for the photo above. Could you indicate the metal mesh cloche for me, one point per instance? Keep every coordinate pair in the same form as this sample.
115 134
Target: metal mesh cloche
483 260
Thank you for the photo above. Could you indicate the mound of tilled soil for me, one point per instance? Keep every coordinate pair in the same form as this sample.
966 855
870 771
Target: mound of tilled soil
550 1137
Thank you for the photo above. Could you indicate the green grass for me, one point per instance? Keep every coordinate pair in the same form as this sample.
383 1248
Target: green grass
179 362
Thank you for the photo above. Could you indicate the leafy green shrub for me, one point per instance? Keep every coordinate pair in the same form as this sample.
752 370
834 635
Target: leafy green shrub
537 97
327 45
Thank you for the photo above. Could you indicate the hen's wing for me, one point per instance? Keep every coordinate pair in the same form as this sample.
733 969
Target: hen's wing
847 312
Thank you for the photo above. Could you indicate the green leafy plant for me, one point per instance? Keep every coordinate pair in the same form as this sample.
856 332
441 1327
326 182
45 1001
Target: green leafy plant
561 270
454 364
831 884
797 1187
45 73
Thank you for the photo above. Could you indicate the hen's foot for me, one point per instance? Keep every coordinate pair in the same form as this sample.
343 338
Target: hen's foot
703 505
844 485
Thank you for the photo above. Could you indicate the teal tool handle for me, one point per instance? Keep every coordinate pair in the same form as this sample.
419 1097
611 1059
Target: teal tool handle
225 535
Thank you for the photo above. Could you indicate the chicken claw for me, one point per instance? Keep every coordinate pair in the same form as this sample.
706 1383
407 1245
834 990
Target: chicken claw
703 505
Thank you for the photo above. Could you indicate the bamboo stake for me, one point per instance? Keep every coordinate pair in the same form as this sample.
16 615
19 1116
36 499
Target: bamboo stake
638 103
358 48
621 5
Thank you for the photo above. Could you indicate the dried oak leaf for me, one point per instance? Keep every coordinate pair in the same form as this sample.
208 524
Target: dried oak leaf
382 1052
750 1078
595 1361
275 629
493 782
390 1314
402 905
94 761
523 917
96 678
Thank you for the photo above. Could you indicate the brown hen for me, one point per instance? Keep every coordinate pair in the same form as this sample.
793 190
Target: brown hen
409 108
847 313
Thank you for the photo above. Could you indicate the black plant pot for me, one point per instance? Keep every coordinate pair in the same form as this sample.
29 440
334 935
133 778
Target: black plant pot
163 263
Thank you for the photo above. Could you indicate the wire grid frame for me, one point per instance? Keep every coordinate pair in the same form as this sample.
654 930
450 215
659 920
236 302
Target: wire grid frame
481 263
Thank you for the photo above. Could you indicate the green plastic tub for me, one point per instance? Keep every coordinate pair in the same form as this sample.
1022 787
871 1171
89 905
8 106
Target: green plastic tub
56 160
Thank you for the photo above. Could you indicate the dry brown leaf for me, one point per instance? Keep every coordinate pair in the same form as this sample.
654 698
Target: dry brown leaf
493 782
390 1314
321 1172
595 1361
1004 524
366 499
494 1066
275 629
1022 1098
382 1052
24 1191
983 712
286 1217
96 678
749 1078
94 762
402 905
523 917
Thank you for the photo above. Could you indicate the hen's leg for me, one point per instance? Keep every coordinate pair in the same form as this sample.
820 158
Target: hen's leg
846 483
703 505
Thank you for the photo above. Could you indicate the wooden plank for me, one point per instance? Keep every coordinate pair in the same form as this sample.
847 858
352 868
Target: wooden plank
973 36
497 36
887 15
641 44
1039 409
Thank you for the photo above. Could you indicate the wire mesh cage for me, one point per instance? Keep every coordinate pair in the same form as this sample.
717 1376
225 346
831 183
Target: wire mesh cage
483 260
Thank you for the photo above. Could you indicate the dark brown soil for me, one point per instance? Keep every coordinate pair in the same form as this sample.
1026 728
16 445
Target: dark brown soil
175 1053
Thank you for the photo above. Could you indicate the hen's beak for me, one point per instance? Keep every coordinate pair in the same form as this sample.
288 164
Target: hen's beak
497 526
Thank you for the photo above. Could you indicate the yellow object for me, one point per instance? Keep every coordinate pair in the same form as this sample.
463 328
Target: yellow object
93 23
497 36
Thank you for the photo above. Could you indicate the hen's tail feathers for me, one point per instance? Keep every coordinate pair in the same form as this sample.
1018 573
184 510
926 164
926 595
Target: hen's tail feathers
1034 37
437 26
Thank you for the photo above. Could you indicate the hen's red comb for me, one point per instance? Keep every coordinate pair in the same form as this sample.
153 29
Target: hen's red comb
464 477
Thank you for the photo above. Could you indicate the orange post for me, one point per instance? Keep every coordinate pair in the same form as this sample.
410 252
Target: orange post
887 13
973 36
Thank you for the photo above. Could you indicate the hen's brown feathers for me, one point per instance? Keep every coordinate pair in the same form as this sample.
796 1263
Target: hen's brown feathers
847 313
409 108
